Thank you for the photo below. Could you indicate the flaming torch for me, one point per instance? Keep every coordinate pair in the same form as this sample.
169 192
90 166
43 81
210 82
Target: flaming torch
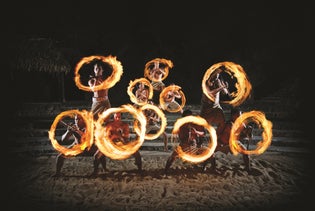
243 86
147 70
86 137
108 146
131 86
206 151
179 94
162 117
259 119
106 84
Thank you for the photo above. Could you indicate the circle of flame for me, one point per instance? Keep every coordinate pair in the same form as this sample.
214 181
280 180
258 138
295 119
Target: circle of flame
106 84
252 116
196 158
131 86
86 139
164 92
162 116
169 64
243 86
107 146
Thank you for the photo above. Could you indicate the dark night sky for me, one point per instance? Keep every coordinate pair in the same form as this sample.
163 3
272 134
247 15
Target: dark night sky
264 38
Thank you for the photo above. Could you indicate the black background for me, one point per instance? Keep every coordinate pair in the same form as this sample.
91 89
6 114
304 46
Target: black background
265 38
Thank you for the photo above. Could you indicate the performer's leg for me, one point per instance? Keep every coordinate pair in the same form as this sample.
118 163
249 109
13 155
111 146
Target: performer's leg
165 139
170 161
138 160
59 164
247 162
99 158
212 161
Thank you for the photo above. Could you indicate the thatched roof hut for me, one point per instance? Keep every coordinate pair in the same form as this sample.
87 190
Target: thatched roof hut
41 55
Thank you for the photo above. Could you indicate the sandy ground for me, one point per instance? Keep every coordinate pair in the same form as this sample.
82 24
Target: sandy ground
277 180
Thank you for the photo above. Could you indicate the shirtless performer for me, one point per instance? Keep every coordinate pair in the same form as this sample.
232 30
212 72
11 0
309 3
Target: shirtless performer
170 100
142 93
100 101
157 74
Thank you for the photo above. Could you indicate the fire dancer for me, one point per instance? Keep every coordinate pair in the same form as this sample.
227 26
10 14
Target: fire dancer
223 140
152 124
75 132
119 132
100 101
170 100
157 73
142 93
212 110
188 135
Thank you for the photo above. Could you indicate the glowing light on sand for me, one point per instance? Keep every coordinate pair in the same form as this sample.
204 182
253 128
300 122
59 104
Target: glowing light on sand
259 119
107 146
86 138
196 156
117 71
243 86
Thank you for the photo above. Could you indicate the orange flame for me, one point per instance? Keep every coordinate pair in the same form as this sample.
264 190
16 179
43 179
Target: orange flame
164 93
168 63
131 86
161 115
258 118
86 139
243 86
106 84
107 146
206 152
